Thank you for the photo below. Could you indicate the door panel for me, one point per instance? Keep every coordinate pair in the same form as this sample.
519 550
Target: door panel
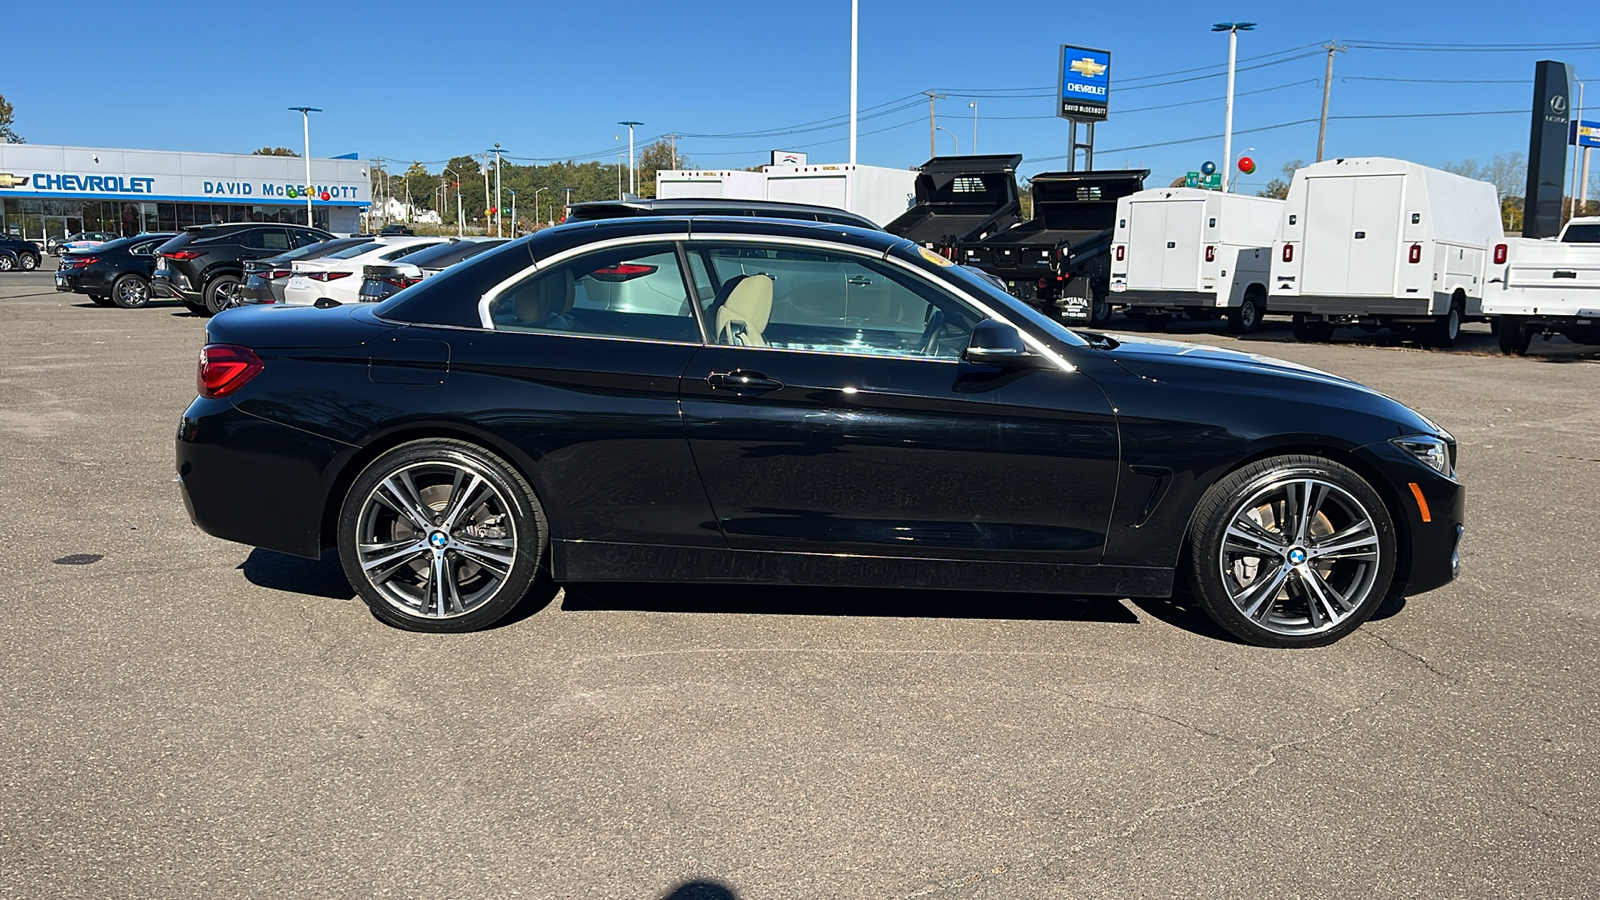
1180 268
1146 243
1329 228
1373 258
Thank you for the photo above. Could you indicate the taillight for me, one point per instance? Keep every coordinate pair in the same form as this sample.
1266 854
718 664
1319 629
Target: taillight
274 274
224 368
1416 253
1043 283
622 272
1211 254
401 281
1288 253
327 276
184 255
79 262
1499 254
1120 250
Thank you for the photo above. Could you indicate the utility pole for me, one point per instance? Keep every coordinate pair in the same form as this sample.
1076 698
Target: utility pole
1327 84
674 139
633 181
974 105
933 147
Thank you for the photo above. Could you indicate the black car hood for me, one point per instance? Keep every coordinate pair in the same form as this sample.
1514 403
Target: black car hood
296 327
1137 353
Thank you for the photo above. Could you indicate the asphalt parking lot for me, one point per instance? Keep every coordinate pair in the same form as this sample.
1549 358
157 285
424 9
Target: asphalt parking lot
188 717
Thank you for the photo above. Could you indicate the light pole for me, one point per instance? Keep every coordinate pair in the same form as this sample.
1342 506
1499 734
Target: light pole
1233 29
536 203
974 105
568 203
305 120
633 181
496 151
513 212
953 139
486 194
457 185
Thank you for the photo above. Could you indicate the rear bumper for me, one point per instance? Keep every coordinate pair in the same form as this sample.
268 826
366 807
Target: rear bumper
174 286
256 482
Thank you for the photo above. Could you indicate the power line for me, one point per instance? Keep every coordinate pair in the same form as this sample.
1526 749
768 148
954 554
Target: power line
1140 109
1442 80
1416 47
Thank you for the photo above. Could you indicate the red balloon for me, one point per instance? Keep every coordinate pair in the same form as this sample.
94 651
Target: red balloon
326 196
1247 165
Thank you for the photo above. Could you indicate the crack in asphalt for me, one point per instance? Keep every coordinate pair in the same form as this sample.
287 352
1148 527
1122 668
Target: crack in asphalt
1415 657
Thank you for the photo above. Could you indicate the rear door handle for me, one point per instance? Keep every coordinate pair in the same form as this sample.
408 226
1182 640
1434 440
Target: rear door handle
743 381
859 280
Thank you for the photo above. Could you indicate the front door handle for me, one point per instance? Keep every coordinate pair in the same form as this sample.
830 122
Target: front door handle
743 381
859 280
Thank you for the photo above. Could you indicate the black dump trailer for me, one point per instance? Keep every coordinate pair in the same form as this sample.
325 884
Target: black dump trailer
1060 260
961 198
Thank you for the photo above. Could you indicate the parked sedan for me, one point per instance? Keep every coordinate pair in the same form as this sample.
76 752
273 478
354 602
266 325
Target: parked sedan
380 281
336 278
264 279
82 240
766 402
116 273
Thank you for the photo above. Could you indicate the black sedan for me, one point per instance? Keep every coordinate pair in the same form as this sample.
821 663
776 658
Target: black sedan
755 401
116 273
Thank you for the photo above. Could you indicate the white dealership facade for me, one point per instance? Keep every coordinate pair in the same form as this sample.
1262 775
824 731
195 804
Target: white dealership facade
52 191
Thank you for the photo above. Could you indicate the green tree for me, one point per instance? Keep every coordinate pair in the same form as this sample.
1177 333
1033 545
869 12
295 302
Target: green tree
273 151
1278 188
7 113
421 184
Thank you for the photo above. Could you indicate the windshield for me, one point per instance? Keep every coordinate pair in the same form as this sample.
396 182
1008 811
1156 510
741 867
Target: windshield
989 293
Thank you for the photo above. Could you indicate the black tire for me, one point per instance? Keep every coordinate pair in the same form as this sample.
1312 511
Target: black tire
1442 333
1099 310
222 293
1513 335
130 291
1311 331
1247 318
508 531
1277 608
28 262
101 300
7 262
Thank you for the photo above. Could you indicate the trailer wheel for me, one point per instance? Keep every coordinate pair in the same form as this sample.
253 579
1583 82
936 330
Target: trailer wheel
1514 336
1247 318
1311 331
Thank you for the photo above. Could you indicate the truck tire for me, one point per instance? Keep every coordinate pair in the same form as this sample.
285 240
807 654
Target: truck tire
1513 336
1443 332
1247 318
1099 310
1311 331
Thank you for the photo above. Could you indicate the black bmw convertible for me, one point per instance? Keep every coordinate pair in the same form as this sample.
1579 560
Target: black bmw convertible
767 402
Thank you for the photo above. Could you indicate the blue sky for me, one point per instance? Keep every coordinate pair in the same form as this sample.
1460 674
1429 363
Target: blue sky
426 81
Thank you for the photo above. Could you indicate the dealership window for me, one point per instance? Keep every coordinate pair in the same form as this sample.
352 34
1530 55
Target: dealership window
631 292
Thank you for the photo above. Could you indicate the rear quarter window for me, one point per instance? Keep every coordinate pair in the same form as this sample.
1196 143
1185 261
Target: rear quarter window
451 298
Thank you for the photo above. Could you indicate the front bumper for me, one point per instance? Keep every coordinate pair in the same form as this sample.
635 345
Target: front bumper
1432 517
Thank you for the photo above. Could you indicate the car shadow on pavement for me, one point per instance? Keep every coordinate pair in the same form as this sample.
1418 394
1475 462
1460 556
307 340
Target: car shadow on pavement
832 601
700 889
281 572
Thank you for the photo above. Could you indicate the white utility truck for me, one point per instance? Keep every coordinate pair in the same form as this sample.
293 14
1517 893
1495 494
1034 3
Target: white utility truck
875 192
1546 287
1383 243
1196 252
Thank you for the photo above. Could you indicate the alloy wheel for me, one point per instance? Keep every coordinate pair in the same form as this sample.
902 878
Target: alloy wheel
132 292
436 539
1300 556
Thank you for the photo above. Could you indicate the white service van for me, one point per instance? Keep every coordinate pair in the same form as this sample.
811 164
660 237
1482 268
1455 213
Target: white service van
875 192
1377 242
1197 252
1546 287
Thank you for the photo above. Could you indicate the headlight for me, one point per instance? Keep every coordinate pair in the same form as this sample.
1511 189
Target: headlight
1430 451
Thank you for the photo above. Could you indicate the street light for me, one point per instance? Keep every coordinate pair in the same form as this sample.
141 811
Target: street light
536 203
1233 29
305 119
953 138
496 151
633 183
974 105
457 184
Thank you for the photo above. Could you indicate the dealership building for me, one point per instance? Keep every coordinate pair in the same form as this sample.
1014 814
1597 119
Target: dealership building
52 191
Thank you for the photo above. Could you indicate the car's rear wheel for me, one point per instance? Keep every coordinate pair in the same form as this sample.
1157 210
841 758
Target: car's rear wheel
28 262
221 293
1291 551
441 535
130 292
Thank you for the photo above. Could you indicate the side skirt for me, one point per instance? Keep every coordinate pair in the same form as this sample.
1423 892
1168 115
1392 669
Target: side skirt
600 561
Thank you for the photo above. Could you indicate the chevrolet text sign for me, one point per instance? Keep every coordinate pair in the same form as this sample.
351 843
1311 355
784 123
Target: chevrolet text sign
35 170
1084 84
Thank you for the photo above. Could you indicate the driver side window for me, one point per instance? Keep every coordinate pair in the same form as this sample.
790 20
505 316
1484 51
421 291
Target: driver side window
762 296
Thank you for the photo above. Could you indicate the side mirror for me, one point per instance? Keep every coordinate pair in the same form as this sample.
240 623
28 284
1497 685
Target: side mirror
994 343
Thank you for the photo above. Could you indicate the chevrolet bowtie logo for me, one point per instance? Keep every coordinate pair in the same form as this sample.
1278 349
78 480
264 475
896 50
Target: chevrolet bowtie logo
8 180
1087 67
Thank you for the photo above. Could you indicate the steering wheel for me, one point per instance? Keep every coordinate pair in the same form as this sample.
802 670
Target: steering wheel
930 333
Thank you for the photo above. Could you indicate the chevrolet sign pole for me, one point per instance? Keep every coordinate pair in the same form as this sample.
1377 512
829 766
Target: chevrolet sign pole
1083 94
305 116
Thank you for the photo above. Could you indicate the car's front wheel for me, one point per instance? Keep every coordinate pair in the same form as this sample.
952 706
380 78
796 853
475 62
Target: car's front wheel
441 535
1291 551
7 263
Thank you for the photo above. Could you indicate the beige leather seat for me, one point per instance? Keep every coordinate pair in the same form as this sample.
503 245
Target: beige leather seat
742 318
549 295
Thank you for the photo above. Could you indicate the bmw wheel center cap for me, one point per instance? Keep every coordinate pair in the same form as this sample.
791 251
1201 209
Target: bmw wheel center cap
438 540
1297 556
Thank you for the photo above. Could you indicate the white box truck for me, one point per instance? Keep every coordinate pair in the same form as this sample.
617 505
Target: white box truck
1546 287
1383 243
1193 252
877 193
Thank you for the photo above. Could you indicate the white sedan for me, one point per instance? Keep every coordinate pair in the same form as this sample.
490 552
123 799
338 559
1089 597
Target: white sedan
337 276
